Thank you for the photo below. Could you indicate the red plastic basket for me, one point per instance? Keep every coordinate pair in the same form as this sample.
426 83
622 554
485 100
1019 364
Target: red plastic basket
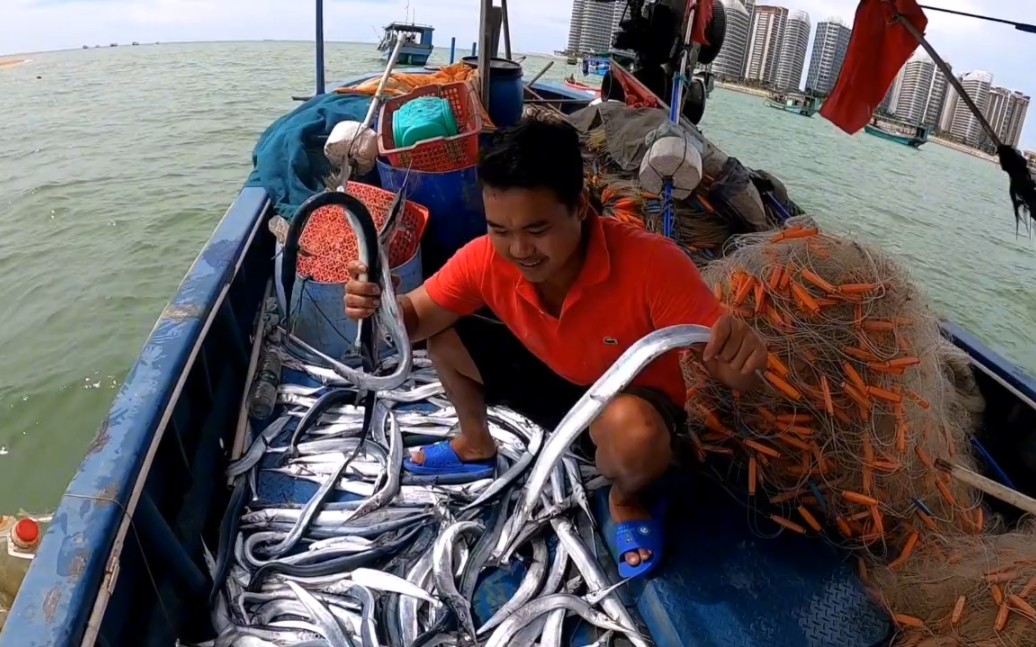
439 154
328 243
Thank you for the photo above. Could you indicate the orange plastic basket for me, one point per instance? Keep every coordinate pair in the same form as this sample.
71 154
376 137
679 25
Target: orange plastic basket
328 244
439 154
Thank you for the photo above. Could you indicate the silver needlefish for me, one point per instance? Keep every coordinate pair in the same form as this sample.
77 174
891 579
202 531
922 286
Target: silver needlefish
528 588
388 318
593 402
546 604
328 625
442 571
596 580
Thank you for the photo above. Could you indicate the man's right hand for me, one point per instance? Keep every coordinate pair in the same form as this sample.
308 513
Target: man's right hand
362 298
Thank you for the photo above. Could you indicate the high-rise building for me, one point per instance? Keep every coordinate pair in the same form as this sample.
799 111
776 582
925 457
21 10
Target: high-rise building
916 86
949 109
575 26
729 64
1005 112
965 126
892 94
750 8
593 24
764 44
792 55
829 47
936 99
1017 110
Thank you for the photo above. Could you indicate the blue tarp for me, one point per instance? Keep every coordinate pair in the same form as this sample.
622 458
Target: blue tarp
289 159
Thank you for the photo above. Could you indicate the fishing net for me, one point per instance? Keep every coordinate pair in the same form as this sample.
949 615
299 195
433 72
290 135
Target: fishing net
700 226
857 406
863 396
964 591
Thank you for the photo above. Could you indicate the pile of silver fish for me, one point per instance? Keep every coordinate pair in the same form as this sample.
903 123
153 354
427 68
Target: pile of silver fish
378 556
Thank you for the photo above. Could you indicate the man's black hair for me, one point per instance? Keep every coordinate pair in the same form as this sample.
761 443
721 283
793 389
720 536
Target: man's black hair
535 154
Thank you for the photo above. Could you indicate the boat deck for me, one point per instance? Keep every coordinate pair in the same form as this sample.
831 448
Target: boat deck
728 580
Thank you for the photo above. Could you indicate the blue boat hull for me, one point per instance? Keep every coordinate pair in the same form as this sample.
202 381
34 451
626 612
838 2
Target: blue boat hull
416 56
122 561
906 140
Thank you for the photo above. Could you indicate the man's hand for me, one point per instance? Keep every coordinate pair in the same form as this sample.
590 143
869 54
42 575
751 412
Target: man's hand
362 298
734 353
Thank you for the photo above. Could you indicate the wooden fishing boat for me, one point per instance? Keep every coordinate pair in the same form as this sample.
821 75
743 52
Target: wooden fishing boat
912 135
122 564
799 104
417 42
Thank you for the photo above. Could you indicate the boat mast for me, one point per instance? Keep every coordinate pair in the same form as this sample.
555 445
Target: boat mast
320 47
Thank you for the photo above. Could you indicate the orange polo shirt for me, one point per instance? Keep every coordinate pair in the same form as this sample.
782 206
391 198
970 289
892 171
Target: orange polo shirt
632 283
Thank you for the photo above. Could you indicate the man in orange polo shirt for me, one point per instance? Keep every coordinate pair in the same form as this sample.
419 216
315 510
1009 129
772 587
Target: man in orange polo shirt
535 311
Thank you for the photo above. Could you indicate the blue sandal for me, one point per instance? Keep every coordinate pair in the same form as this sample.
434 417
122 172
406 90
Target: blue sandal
441 460
648 534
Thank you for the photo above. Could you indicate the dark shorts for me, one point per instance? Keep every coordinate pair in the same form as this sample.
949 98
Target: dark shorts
514 377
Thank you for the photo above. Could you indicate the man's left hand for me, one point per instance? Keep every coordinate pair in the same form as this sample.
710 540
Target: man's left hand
734 353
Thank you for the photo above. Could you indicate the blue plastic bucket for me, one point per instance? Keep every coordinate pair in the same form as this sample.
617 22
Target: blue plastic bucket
454 203
317 314
506 93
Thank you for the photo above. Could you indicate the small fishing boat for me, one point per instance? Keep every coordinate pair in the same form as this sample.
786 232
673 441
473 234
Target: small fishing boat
417 42
912 135
126 560
582 87
799 104
596 64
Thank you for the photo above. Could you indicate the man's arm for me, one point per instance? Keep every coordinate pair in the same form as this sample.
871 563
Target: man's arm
451 293
422 316
734 352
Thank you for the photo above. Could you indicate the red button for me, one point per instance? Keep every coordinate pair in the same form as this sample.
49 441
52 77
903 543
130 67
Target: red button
27 531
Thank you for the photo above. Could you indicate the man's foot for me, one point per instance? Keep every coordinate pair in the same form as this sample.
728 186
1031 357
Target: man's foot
638 534
465 450
453 459
630 510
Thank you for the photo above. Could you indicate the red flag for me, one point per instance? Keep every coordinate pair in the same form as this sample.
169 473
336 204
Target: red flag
879 46
702 16
637 95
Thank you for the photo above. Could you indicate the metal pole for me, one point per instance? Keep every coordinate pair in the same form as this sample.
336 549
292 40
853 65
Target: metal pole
474 49
952 80
483 50
453 49
507 30
320 47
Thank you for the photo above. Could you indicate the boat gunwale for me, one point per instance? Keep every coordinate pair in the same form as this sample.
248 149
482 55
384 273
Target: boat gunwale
64 595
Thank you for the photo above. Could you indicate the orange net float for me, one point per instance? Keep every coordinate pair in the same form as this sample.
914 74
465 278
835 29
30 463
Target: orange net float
328 244
861 399
856 407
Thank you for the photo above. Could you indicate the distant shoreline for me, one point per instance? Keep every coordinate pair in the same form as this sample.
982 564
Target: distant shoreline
12 62
758 92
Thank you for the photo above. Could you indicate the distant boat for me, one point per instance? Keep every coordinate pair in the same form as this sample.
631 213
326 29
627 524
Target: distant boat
912 135
794 102
417 42
86 47
596 64
134 43
113 45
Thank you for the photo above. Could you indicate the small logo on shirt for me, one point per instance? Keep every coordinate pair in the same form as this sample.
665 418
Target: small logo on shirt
611 341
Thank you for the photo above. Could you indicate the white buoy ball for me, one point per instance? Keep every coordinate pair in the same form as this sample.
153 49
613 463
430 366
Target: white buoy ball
671 157
350 144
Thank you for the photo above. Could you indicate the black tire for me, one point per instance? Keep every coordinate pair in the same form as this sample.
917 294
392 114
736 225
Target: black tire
715 33
694 104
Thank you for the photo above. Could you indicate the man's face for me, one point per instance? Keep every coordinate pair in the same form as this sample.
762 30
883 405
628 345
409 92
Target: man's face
533 229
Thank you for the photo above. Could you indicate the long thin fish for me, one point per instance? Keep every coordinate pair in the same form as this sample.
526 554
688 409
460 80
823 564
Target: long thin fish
593 402
442 571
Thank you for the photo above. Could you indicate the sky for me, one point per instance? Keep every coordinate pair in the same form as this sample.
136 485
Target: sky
536 26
